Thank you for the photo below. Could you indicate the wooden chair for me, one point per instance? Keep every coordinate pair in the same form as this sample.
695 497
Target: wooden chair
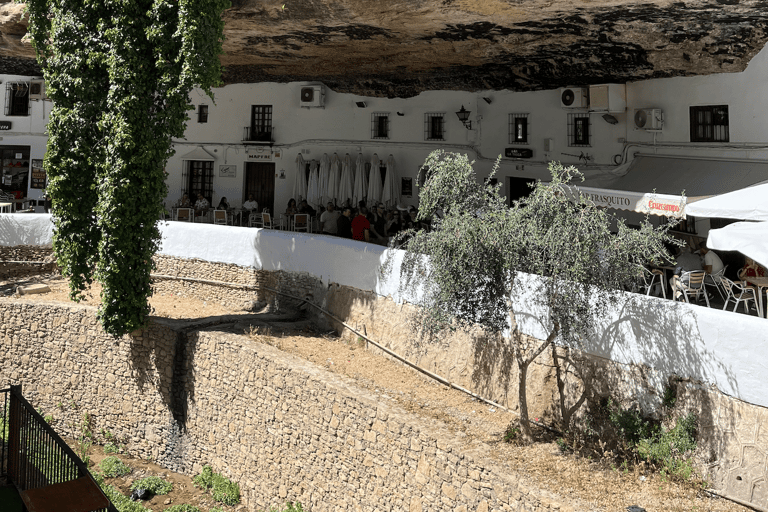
693 283
301 222
738 292
220 217
184 214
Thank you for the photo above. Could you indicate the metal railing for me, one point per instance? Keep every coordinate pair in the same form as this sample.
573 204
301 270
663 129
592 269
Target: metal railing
36 456
262 134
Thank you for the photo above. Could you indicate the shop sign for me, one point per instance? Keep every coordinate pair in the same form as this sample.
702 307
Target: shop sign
38 179
228 171
263 155
5 125
518 153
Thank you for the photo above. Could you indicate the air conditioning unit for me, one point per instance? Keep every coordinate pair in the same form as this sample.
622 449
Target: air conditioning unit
648 119
37 89
574 97
312 96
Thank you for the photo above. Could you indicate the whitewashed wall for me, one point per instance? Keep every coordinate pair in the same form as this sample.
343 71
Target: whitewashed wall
722 349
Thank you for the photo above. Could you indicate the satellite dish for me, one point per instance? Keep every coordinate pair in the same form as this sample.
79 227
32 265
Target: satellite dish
641 118
568 97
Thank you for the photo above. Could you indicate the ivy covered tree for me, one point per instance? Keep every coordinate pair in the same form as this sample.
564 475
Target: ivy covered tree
480 253
119 73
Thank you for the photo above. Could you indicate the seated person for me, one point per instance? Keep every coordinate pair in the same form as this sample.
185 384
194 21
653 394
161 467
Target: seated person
223 204
751 269
344 224
361 226
394 226
251 203
686 262
305 208
328 220
711 262
291 210
184 202
201 206
378 225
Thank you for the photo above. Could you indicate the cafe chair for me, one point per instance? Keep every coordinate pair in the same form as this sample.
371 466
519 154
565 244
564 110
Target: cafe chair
652 278
255 220
738 292
301 222
692 283
266 220
716 281
184 214
220 217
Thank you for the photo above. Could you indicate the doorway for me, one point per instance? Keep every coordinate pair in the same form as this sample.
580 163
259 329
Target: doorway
260 181
518 188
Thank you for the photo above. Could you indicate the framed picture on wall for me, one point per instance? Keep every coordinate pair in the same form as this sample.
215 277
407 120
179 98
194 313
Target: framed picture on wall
228 171
406 189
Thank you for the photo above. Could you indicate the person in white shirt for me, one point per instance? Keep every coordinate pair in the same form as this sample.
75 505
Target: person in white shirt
711 262
251 203
328 220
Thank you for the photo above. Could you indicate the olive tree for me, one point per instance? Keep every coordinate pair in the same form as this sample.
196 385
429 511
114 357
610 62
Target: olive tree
468 265
119 73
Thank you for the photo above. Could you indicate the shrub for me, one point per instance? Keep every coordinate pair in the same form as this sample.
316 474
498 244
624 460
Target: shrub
222 488
121 502
111 448
113 467
671 448
154 484
630 425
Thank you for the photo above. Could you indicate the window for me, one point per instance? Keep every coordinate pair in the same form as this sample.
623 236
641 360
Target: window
202 113
709 124
261 123
379 125
199 179
578 130
17 99
434 126
518 128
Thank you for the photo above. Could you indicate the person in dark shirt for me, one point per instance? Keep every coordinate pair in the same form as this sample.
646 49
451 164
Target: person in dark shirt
344 224
361 227
305 208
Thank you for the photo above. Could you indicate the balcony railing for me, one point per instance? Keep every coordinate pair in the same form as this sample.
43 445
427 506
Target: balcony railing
258 135
45 471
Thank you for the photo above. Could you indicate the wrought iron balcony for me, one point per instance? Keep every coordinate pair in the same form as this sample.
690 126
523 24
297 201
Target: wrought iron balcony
260 134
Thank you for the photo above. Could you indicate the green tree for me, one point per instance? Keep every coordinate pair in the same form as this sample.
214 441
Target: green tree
480 254
119 73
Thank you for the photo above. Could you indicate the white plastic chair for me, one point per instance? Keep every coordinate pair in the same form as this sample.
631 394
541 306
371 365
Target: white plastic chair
651 278
716 281
738 292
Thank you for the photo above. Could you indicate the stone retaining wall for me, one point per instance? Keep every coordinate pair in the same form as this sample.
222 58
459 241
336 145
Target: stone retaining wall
282 427
25 253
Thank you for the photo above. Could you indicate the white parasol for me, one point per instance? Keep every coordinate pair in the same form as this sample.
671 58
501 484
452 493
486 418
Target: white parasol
325 170
749 238
374 181
300 184
345 185
313 187
360 184
390 195
334 176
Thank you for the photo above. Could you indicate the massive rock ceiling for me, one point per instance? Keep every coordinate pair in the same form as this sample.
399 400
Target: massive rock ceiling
399 48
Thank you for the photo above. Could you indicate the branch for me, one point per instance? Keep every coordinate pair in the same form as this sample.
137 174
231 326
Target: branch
550 339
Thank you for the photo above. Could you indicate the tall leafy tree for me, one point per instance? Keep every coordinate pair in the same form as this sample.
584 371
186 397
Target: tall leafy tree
119 73
480 255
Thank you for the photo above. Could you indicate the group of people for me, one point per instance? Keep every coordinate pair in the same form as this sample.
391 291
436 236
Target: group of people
202 206
708 261
377 225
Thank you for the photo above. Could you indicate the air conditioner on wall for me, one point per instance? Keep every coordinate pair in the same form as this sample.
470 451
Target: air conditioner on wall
574 97
312 96
37 89
649 119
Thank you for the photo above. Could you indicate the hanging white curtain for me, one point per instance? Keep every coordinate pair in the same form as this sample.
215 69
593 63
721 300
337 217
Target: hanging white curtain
345 185
334 176
313 186
325 171
360 184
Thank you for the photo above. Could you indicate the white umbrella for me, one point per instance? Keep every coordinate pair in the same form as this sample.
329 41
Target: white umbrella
313 187
360 185
374 181
390 196
749 238
325 169
745 204
345 185
300 184
334 176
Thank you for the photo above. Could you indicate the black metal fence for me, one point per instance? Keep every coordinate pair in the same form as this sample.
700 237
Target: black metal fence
35 457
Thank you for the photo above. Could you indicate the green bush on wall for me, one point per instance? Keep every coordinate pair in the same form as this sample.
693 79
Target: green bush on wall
222 488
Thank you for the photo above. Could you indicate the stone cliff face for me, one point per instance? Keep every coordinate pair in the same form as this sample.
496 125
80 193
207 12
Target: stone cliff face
399 48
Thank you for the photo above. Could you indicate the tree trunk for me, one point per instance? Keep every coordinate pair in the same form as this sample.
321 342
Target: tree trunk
522 398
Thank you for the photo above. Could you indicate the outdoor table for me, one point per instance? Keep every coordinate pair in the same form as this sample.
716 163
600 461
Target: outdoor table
760 283
5 207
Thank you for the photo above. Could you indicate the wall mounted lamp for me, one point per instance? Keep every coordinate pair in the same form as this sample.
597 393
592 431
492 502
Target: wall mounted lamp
610 119
360 104
487 99
400 114
464 117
